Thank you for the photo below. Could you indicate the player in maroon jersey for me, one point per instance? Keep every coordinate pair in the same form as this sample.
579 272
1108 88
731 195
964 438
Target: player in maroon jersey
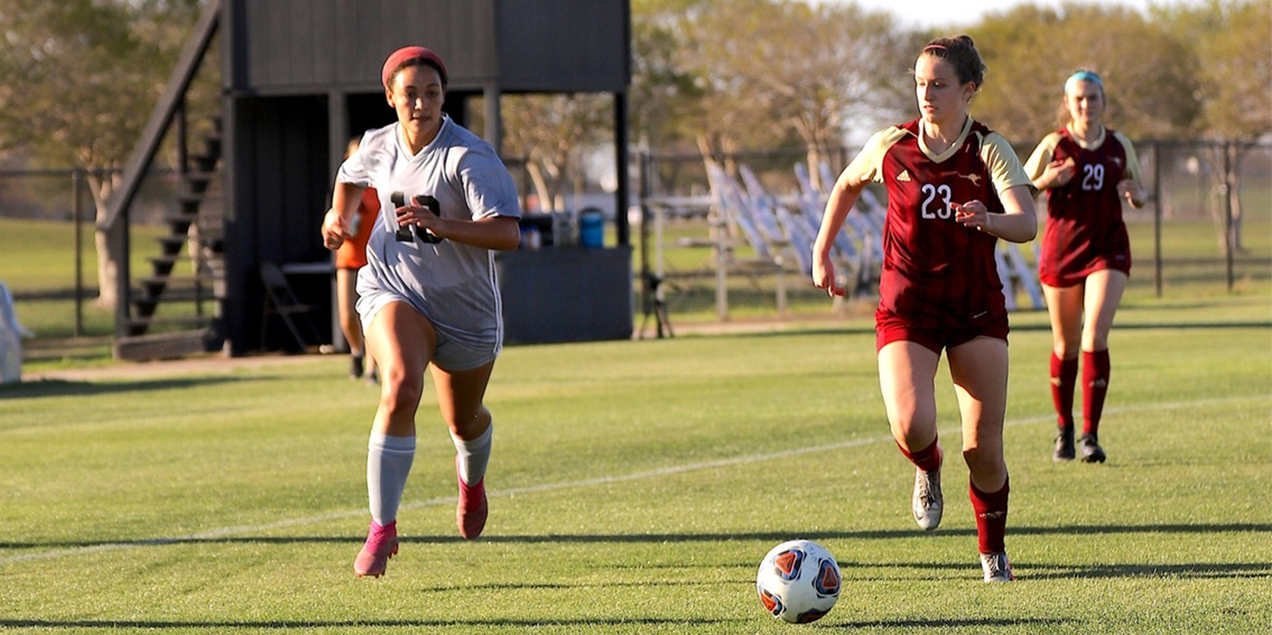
1086 170
954 188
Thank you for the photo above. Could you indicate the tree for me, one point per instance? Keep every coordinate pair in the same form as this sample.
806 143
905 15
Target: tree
1030 51
1232 44
826 67
77 75
661 92
765 73
550 132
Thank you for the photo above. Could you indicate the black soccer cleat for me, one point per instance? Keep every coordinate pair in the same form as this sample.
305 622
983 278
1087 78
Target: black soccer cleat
1064 445
1091 450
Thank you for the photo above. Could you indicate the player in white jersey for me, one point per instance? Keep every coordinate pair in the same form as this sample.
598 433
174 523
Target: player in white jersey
428 296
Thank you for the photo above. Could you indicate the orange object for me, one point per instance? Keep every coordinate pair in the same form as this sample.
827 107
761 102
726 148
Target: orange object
353 253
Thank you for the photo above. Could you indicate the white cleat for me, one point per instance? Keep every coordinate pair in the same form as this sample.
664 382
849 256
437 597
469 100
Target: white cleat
996 566
928 502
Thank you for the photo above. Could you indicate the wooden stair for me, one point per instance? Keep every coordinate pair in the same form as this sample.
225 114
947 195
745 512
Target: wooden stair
177 307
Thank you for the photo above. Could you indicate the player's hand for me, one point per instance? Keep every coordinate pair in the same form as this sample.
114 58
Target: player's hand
334 230
824 276
1132 191
421 217
972 215
1059 172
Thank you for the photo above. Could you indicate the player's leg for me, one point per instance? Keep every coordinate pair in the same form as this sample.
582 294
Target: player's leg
460 396
1064 308
402 340
979 371
906 379
346 297
1103 294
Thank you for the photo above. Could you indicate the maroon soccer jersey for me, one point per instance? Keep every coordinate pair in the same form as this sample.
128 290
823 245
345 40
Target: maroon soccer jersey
1084 230
936 272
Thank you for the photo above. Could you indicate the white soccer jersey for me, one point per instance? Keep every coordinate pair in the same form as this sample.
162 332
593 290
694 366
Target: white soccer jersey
452 284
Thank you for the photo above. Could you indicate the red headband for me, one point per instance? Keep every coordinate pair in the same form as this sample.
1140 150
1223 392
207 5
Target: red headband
407 53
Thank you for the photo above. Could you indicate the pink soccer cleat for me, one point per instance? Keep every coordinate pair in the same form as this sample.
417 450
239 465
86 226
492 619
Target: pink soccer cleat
381 544
471 510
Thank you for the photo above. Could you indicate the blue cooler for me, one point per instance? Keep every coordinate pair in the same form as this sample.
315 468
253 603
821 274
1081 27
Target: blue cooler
591 228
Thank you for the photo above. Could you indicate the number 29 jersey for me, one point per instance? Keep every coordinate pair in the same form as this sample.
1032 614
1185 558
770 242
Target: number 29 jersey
1084 232
936 272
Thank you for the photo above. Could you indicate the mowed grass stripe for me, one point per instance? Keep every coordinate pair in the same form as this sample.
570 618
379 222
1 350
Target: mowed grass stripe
228 531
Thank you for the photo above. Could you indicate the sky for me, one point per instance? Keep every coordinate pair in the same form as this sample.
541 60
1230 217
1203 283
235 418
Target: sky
953 13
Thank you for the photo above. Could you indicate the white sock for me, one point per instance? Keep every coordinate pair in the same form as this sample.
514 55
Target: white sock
473 455
388 463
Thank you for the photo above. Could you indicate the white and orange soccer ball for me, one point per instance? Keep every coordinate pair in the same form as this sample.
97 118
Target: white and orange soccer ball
798 581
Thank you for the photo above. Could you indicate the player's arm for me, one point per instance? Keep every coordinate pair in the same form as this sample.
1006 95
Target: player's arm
351 180
1019 221
1133 192
1044 171
499 233
336 223
1131 187
491 205
843 195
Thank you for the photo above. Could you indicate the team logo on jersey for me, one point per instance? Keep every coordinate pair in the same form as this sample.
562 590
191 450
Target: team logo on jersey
974 178
904 176
1116 161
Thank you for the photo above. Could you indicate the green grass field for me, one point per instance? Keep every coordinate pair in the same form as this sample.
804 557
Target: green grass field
635 487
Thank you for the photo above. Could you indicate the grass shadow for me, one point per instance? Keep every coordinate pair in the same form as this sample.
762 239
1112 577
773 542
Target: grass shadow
50 388
656 538
304 625
943 625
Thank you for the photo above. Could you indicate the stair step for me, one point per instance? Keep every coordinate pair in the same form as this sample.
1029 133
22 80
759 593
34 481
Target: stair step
162 346
181 222
138 324
180 288
206 162
172 245
197 183
162 265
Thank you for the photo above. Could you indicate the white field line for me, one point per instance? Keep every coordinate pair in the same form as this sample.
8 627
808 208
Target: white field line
224 532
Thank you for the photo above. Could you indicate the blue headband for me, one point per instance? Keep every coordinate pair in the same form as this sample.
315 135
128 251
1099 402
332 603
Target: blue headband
1083 76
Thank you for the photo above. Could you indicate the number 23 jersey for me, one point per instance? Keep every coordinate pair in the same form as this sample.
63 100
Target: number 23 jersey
1084 230
936 272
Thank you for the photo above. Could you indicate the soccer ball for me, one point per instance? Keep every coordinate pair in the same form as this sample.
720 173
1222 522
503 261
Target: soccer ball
798 581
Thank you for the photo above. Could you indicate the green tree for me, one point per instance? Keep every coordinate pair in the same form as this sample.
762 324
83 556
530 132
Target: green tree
1150 73
765 73
1232 40
662 93
550 132
78 77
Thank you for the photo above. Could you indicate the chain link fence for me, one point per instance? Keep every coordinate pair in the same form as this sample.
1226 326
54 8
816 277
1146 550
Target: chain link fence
1207 230
49 261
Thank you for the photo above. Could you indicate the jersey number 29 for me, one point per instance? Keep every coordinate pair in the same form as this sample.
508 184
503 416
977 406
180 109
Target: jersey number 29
1092 176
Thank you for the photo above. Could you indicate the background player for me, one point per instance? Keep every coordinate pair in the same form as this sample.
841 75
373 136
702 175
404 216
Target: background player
1086 170
427 304
954 187
350 257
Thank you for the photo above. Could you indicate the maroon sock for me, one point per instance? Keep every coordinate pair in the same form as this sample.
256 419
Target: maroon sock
1064 376
991 517
927 459
1095 385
